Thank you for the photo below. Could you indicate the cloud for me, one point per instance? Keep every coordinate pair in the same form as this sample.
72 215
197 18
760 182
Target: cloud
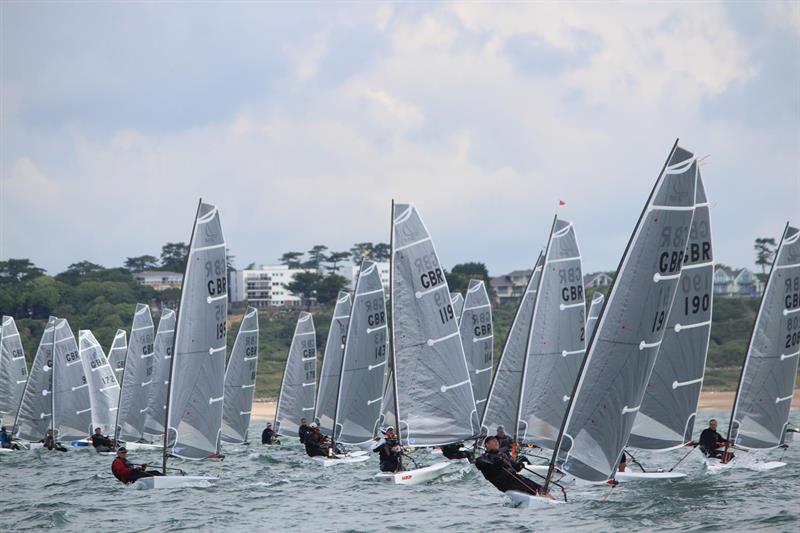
302 127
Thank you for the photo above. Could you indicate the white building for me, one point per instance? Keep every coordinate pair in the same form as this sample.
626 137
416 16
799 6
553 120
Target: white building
264 286
159 279
383 269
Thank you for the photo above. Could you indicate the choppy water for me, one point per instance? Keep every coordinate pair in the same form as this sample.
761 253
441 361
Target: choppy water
280 488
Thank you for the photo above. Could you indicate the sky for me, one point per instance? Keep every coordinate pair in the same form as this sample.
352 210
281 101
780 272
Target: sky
302 121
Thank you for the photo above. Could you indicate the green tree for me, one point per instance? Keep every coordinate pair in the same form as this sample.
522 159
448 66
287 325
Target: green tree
765 251
458 278
291 259
305 285
381 252
334 259
316 256
173 256
18 271
328 288
359 251
141 263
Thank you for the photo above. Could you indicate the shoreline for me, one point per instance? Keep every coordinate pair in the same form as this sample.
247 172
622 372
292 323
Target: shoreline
709 401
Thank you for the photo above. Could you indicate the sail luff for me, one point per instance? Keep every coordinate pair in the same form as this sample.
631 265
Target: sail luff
599 418
240 380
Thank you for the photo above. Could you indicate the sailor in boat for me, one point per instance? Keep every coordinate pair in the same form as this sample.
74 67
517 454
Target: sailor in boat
303 430
623 463
711 443
51 444
268 435
456 451
391 453
5 440
504 441
498 468
102 443
127 472
315 442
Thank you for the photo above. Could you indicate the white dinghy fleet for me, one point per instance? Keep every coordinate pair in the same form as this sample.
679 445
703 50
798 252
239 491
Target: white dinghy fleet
408 370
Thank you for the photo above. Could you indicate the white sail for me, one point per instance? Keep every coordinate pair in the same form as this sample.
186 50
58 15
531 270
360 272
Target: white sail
434 400
457 301
240 380
598 299
136 378
72 409
162 359
117 352
102 381
324 410
298 387
13 369
194 409
36 407
477 337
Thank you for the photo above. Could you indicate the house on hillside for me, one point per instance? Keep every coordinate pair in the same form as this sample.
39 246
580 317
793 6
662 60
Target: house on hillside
510 286
729 282
264 286
597 280
159 280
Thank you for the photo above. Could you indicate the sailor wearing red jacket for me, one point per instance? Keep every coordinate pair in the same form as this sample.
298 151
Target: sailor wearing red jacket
125 471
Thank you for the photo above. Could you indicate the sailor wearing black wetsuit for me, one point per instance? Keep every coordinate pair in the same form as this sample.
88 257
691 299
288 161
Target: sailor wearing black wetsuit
501 471
504 441
711 442
391 453
303 430
268 435
454 451
315 442
100 442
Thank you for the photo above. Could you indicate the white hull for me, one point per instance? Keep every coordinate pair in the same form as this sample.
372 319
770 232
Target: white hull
141 446
348 458
416 476
714 466
171 482
527 501
5 450
622 477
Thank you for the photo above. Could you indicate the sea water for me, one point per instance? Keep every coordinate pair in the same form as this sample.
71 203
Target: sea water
280 488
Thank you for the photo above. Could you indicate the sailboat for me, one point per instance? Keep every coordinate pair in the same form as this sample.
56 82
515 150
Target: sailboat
299 383
197 369
325 405
434 403
598 299
502 406
101 381
623 348
36 407
136 380
71 407
666 418
457 301
13 369
760 414
556 341
363 369
116 354
240 380
156 414
477 337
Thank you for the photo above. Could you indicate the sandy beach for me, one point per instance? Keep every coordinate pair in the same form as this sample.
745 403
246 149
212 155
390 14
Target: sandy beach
709 401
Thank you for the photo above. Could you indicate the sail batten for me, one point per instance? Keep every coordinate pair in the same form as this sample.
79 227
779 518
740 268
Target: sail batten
363 368
298 386
240 380
624 345
433 406
194 406
325 406
766 385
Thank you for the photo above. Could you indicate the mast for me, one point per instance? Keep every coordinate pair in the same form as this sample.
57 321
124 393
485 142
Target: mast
530 334
53 384
174 339
391 296
571 402
749 344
